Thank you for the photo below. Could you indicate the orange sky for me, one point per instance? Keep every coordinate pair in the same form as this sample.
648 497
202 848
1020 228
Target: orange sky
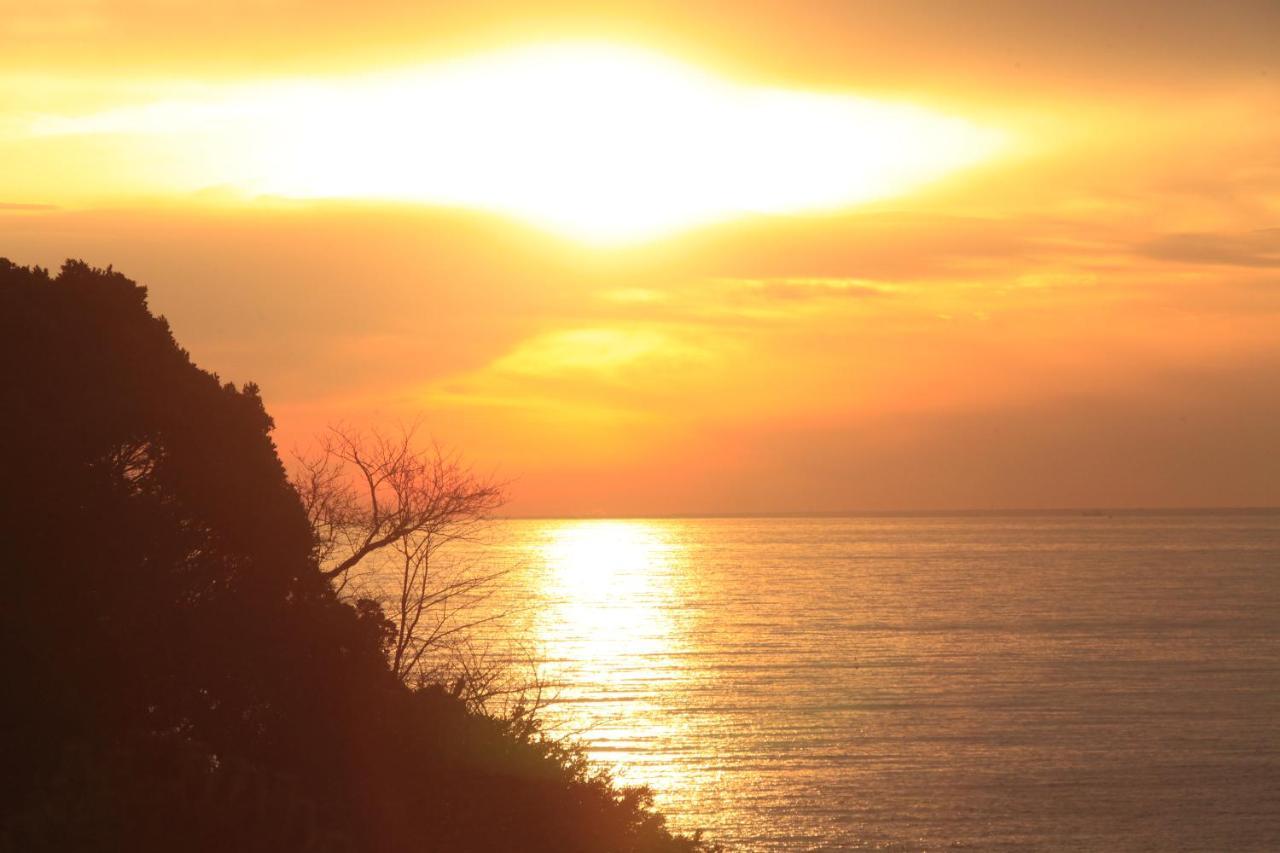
1084 312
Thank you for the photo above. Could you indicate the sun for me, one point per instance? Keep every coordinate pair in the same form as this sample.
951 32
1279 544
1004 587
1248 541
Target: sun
609 144
601 142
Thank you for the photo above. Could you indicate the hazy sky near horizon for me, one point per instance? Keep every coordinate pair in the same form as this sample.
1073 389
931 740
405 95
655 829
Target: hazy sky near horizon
990 254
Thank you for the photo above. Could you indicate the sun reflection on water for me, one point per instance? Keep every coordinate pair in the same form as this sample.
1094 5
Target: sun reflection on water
611 642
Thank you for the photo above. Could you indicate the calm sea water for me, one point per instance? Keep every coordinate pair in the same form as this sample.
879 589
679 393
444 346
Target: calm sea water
978 683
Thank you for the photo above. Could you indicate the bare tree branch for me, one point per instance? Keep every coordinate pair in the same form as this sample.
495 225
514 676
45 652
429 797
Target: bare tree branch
383 514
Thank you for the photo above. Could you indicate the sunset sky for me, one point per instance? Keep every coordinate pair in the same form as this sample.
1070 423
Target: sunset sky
655 258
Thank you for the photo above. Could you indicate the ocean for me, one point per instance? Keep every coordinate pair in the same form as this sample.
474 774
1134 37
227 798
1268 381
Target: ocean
985 682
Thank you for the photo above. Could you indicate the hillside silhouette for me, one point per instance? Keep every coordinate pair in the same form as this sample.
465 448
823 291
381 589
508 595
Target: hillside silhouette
180 676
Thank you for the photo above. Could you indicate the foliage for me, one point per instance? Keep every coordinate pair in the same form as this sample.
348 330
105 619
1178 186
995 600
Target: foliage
180 675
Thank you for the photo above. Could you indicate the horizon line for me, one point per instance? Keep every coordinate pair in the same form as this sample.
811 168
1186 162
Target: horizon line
910 513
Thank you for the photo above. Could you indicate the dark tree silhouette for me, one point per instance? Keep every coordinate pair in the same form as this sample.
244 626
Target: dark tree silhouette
179 673
384 512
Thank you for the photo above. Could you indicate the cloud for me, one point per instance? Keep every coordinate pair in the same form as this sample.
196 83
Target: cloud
811 289
538 355
870 245
1020 45
598 350
703 303
1239 249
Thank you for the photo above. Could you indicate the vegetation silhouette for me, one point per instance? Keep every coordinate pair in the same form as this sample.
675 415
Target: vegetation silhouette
383 512
180 673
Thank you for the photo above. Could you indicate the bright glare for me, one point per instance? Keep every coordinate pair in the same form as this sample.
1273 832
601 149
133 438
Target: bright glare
607 631
595 560
602 143
608 585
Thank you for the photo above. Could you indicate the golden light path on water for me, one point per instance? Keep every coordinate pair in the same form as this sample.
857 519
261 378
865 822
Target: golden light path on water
612 591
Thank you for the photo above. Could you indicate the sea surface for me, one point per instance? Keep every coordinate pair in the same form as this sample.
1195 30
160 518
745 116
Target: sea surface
1021 682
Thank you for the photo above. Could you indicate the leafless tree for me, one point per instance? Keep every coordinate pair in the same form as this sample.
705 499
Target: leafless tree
367 490
385 514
